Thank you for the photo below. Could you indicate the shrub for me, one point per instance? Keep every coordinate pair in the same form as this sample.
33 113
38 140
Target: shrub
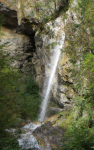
79 138
31 99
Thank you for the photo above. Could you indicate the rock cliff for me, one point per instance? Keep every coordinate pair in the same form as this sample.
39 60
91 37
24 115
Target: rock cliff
30 47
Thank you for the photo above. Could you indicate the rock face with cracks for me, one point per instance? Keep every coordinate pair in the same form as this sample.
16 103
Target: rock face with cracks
26 45
47 134
19 47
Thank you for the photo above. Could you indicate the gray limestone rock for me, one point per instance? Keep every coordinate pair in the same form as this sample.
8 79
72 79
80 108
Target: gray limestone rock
50 135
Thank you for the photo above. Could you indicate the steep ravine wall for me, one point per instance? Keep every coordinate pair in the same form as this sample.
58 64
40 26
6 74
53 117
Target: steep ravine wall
28 48
61 92
30 52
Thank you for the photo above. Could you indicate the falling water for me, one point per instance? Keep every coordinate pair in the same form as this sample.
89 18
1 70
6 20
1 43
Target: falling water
27 140
50 82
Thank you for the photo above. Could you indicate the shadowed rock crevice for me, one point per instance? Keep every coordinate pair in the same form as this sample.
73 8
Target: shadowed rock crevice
9 16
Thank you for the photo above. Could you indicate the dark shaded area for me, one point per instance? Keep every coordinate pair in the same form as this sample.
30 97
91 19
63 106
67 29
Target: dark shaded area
9 16
8 142
31 46
28 26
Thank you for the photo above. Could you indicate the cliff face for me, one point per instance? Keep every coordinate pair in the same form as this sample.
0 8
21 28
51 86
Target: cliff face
30 47
62 91
35 8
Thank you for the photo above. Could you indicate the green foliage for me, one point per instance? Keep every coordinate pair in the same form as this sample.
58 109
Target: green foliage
17 100
8 142
63 7
31 85
34 70
80 49
59 116
31 99
5 84
79 138
52 104
79 126
47 10
16 95
52 45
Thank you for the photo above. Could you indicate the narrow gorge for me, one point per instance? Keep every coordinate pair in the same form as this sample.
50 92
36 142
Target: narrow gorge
47 72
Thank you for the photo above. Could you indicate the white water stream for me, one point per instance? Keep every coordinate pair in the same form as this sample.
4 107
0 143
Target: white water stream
27 140
50 82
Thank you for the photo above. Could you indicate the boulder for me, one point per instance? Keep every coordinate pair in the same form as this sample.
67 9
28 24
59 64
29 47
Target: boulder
47 135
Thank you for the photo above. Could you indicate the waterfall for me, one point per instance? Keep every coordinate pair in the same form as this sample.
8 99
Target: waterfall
50 80
26 139
44 104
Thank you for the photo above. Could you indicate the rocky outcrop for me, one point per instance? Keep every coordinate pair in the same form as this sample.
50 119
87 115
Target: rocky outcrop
9 16
47 135
38 9
19 48
61 92
64 89
19 43
38 60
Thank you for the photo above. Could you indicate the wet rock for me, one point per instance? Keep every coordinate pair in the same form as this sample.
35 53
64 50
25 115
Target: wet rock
52 111
63 92
39 40
60 104
49 134
16 64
